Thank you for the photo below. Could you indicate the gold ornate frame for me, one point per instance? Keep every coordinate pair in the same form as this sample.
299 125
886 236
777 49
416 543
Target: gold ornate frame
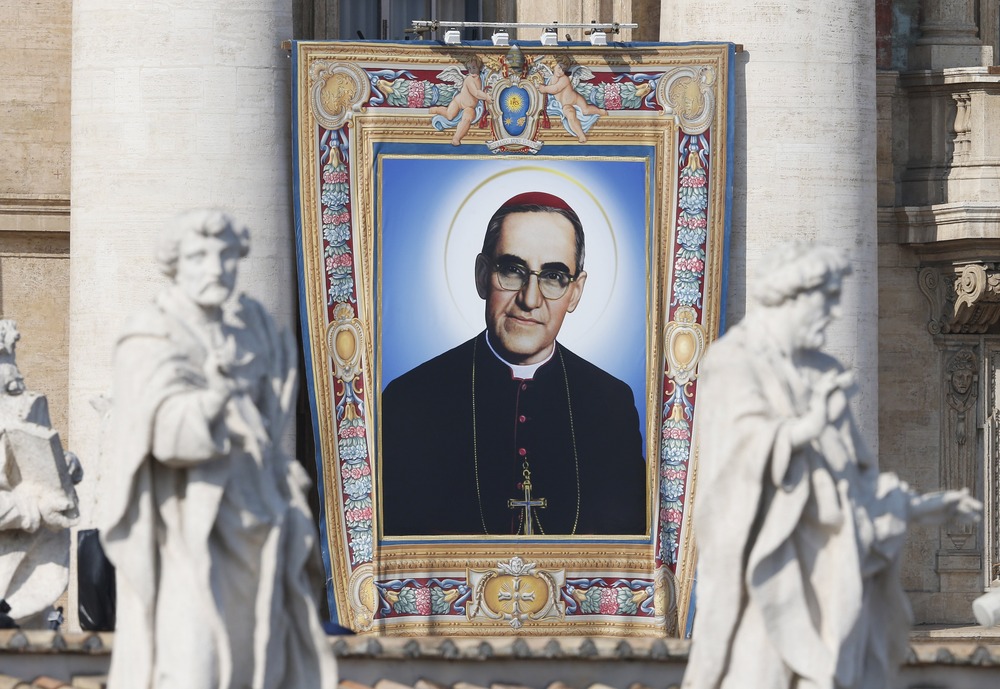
671 103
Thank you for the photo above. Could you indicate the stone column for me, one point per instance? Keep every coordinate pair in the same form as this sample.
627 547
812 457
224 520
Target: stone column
578 12
176 104
804 150
949 36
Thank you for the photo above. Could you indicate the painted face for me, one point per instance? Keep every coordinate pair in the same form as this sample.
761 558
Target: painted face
206 267
814 310
522 323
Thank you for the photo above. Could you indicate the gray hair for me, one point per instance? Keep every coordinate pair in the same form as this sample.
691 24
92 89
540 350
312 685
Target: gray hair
207 222
798 267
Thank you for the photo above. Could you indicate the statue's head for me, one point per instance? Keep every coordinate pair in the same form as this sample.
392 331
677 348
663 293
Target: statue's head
200 251
803 280
8 338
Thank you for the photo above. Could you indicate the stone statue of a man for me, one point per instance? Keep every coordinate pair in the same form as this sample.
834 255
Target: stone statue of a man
798 534
205 518
38 503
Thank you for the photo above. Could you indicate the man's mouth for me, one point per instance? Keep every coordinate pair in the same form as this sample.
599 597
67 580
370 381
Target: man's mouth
524 319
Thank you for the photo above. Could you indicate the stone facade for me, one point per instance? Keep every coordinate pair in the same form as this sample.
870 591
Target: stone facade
935 173
35 45
939 202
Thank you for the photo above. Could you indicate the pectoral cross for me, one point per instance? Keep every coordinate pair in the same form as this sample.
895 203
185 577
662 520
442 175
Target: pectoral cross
527 503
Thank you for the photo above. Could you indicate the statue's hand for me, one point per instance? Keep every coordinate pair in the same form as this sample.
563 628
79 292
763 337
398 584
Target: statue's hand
826 404
941 506
27 508
53 508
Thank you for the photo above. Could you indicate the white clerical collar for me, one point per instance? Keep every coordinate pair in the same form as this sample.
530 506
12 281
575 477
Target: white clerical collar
526 372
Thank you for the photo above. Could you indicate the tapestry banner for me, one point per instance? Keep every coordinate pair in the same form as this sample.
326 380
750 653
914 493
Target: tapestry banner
511 260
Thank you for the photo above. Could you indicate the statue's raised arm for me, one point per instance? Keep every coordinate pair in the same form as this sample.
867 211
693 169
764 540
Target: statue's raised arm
799 535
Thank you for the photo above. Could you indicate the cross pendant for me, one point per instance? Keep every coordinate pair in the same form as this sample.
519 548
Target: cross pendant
526 504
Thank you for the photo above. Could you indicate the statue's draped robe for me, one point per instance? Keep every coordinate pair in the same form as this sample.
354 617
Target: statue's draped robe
34 565
205 518
797 581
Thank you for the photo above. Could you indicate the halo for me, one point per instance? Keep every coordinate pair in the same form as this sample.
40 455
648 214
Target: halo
468 224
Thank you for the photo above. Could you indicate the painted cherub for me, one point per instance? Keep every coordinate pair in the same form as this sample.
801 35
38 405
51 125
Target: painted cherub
463 106
562 88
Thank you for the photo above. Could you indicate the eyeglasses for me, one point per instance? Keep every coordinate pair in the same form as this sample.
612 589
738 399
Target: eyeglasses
552 282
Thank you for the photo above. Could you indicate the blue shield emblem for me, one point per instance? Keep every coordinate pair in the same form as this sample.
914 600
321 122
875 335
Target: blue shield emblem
514 102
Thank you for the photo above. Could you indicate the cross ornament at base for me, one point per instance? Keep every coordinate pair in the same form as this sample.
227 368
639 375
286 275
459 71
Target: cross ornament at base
526 504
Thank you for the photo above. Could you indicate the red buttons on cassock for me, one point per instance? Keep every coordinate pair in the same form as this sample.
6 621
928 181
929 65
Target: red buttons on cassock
524 386
522 418
522 452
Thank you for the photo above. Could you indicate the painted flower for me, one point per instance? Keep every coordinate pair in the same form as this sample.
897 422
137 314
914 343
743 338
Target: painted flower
672 490
609 601
692 181
686 293
675 474
352 449
695 265
693 200
675 455
415 97
336 233
678 433
612 97
360 543
689 237
333 199
341 288
423 601
358 488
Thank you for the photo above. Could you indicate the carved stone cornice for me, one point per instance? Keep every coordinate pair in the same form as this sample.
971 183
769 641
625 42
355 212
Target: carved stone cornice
964 299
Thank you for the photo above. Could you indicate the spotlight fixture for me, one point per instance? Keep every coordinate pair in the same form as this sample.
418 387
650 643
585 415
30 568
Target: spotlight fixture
550 37
501 38
452 37
598 38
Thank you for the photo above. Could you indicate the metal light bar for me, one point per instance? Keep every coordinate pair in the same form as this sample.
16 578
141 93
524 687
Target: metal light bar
420 25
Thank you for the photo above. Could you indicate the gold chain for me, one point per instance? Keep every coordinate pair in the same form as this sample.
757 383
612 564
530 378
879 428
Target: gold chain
526 469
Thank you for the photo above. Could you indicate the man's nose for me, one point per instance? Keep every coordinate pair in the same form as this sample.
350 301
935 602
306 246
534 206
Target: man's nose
213 264
530 296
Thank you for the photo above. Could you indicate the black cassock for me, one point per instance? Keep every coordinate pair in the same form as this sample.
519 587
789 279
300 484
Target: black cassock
438 479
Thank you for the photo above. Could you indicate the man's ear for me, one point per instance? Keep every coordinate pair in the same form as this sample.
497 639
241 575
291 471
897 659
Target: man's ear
576 291
483 271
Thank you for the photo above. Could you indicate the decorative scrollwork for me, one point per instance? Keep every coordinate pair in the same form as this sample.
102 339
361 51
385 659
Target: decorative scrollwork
688 93
685 343
363 597
963 299
338 91
345 338
516 592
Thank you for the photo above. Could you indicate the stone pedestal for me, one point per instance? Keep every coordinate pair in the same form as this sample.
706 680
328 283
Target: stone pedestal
175 105
805 149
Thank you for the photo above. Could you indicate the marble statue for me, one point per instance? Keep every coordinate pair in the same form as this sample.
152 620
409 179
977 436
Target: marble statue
38 503
204 516
798 533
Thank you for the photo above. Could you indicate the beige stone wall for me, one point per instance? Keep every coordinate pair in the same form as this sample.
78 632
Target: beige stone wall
35 43
585 11
909 416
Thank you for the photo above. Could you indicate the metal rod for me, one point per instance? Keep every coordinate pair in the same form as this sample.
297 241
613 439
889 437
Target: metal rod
432 24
